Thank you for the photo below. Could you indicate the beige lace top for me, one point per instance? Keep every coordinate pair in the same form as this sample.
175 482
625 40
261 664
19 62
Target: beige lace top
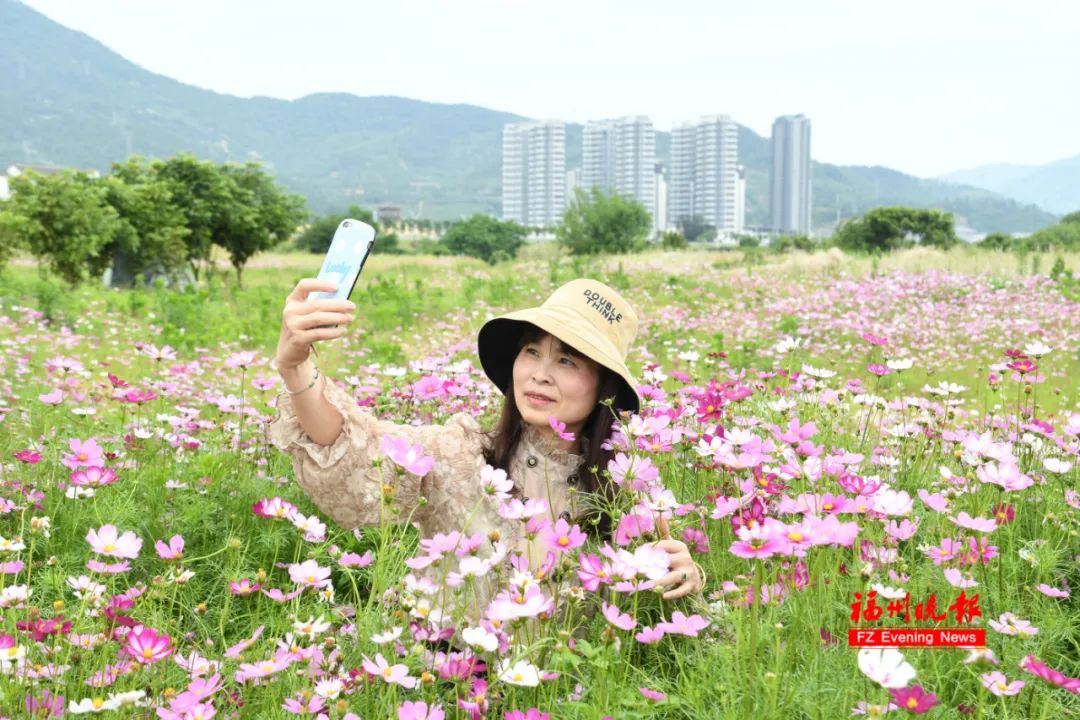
344 483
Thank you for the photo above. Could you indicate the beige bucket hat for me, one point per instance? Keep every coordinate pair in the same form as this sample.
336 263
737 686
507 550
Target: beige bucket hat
585 314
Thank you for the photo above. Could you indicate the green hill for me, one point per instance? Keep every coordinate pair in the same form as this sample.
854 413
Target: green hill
67 100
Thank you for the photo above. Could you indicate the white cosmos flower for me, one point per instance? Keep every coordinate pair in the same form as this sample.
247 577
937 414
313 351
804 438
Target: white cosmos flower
92 705
522 673
889 592
899 364
1037 349
817 372
329 689
480 638
388 636
1056 465
886 667
787 345
892 502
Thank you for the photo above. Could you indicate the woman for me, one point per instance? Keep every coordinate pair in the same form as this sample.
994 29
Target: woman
560 360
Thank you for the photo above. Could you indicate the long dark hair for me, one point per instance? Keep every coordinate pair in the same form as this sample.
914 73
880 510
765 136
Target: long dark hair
503 439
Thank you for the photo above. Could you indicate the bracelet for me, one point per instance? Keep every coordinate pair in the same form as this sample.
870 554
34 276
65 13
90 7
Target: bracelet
311 384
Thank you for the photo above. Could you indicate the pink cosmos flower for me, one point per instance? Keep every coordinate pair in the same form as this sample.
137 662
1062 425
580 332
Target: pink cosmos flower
147 646
959 579
1009 624
274 508
96 565
390 673
633 525
11 567
514 603
301 705
28 456
530 714
93 476
901 531
972 523
495 483
309 574
653 694
755 543
999 685
419 710
562 538
243 645
83 454
243 587
936 502
650 635
915 699
106 541
351 559
278 596
724 506
1005 475
53 398
793 539
173 551
409 457
639 472
592 571
1053 592
560 429
878 369
680 624
623 621
262 669
1040 669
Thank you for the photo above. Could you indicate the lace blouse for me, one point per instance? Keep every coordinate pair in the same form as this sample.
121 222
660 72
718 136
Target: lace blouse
345 482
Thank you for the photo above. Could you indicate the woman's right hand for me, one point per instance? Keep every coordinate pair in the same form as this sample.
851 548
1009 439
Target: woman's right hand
301 320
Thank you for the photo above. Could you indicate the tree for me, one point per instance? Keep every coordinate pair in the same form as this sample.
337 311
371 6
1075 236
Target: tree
997 241
597 222
10 233
317 236
260 214
694 228
151 235
201 193
65 220
889 228
482 236
672 240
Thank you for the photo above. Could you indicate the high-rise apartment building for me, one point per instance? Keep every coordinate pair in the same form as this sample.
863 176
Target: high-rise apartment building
789 179
703 181
620 156
534 172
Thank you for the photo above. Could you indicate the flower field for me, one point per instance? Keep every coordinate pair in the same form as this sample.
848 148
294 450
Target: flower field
844 444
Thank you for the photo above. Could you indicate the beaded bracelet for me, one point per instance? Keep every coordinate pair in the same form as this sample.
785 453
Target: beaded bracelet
311 384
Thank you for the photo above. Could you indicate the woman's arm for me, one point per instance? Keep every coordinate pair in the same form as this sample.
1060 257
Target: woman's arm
316 415
303 322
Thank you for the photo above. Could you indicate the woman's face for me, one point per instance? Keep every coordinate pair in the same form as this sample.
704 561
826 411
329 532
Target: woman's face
550 382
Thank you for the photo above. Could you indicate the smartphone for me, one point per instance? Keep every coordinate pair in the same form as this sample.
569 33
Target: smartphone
345 259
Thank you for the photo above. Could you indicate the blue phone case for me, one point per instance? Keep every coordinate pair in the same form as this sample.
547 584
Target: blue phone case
345 259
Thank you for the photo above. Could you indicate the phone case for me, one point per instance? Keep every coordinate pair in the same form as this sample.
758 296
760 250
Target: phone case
345 259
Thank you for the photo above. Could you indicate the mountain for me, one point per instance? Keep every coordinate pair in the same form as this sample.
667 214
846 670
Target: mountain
1054 186
67 100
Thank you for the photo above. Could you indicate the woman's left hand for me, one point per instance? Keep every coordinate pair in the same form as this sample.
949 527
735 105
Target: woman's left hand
684 575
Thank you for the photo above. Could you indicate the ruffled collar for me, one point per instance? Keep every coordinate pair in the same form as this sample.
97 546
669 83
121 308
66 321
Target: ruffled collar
544 444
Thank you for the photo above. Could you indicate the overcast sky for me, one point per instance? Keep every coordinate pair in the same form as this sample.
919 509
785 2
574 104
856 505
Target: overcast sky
924 86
